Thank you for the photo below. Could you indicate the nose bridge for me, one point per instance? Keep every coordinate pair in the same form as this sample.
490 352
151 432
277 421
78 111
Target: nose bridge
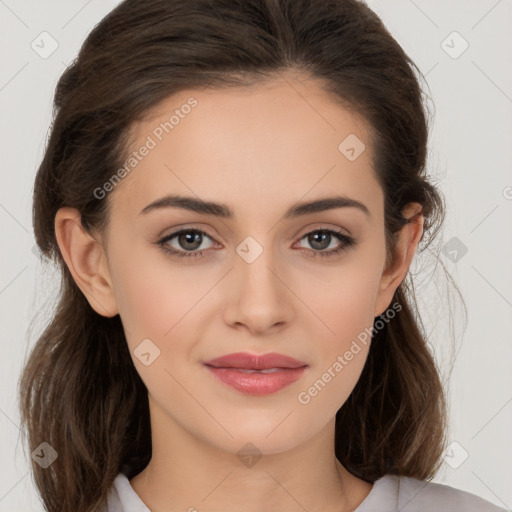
256 264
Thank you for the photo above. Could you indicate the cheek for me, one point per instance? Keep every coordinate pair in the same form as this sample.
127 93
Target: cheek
342 298
342 351
344 305
161 302
154 294
155 305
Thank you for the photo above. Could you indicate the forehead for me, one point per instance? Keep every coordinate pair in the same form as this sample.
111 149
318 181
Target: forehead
251 147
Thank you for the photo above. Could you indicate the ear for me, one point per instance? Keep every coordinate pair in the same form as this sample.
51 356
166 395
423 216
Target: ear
407 241
86 260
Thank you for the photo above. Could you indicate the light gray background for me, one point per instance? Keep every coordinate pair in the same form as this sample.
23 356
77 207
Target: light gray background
470 155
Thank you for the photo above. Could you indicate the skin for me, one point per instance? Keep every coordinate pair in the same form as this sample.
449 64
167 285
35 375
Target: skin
258 150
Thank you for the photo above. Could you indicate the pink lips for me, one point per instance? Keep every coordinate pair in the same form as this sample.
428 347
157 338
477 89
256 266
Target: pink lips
248 374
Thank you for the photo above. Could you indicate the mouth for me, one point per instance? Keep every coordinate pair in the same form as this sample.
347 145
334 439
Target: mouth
256 375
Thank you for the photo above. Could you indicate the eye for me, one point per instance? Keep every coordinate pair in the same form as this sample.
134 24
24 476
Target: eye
320 239
190 240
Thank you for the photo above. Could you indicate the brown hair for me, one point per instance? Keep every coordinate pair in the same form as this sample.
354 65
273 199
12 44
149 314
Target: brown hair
79 390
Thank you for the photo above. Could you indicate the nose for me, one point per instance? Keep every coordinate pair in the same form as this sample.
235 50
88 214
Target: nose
259 298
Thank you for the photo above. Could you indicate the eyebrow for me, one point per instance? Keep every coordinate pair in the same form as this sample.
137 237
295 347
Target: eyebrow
221 210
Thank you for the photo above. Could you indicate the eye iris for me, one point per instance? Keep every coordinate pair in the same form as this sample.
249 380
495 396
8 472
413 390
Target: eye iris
190 238
323 235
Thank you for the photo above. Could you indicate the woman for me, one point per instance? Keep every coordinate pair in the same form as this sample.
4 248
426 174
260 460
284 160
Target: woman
234 192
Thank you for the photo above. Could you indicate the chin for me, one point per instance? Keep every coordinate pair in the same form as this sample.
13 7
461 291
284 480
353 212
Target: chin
257 441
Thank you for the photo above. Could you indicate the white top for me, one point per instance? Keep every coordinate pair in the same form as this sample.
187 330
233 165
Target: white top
389 494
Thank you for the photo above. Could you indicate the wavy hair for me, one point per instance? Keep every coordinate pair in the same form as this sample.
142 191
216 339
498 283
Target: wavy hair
79 390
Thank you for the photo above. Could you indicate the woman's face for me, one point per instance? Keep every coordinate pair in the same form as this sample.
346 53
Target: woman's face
258 280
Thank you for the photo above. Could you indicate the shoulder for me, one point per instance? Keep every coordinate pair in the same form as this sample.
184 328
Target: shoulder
415 495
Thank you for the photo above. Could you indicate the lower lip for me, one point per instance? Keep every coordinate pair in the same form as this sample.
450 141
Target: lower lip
257 383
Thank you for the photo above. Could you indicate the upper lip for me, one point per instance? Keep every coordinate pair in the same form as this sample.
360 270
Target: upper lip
244 360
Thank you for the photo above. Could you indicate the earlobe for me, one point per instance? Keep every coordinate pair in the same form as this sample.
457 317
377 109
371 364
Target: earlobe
86 260
407 242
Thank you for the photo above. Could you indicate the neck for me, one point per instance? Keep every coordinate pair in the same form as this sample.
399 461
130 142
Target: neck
187 473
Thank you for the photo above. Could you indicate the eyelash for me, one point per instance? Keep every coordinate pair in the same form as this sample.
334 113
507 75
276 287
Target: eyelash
347 243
